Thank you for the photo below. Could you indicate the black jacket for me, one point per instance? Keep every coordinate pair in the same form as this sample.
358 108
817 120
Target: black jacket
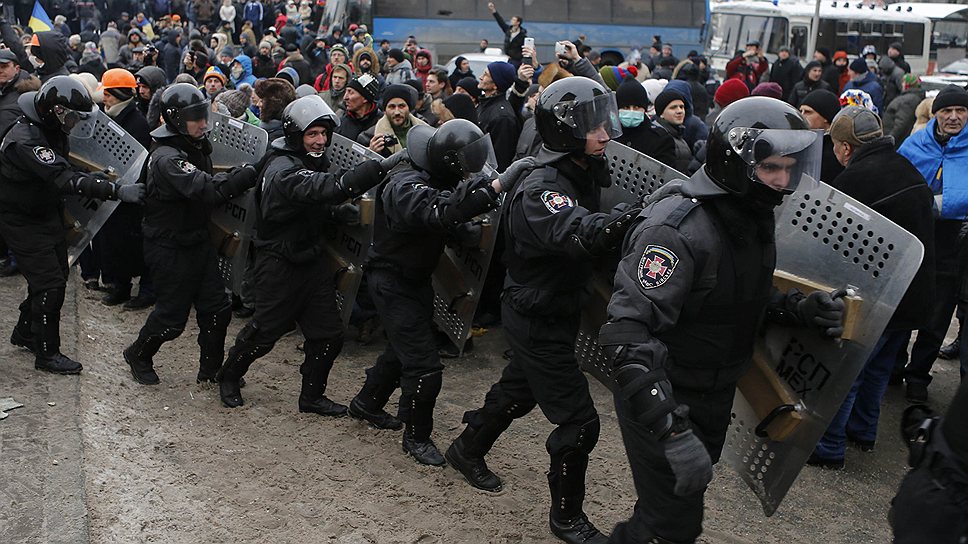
53 51
787 73
830 167
351 126
653 140
133 121
496 117
900 115
9 93
901 195
803 88
512 46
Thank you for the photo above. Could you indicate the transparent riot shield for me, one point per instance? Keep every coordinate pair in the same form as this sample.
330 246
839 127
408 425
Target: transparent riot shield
799 378
348 245
113 151
234 143
634 177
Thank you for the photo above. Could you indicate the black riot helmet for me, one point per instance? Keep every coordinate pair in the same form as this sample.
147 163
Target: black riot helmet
302 114
452 152
62 102
570 108
180 103
762 148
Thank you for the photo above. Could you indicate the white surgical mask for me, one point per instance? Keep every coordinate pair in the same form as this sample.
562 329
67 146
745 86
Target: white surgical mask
35 61
237 72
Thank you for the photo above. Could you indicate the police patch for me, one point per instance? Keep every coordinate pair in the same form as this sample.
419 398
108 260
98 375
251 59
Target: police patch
186 166
656 266
305 173
45 154
555 202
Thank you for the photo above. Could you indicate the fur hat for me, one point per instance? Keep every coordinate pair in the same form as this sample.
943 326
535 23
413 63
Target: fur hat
276 94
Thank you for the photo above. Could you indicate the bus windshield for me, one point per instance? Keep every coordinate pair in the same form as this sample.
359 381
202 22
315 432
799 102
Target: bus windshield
729 33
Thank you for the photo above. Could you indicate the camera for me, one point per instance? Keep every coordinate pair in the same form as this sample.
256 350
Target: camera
390 140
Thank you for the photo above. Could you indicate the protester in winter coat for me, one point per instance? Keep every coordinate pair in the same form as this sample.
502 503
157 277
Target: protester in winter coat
786 70
462 69
730 91
241 71
819 108
694 129
811 81
638 131
836 74
900 114
923 115
670 111
399 68
863 79
891 78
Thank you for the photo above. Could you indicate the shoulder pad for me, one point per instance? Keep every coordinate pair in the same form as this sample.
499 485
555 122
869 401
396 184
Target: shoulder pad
677 215
549 173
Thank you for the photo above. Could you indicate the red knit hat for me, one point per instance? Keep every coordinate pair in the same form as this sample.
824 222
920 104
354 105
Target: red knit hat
730 91
840 55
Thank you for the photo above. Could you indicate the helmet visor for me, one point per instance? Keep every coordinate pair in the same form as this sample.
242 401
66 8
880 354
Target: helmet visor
585 118
79 124
781 159
478 156
197 112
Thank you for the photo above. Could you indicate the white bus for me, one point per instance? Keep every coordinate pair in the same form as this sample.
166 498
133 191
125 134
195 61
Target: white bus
844 24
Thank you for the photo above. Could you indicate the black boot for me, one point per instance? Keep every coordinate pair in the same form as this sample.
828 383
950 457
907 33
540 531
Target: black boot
422 397
140 302
117 294
45 313
952 350
211 343
139 357
466 454
241 356
320 355
381 381
21 335
567 520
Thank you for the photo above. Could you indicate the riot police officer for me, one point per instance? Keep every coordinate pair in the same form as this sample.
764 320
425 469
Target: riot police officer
181 191
554 230
447 182
296 201
34 174
693 286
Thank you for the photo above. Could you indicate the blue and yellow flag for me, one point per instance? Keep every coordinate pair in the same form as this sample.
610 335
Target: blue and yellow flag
39 21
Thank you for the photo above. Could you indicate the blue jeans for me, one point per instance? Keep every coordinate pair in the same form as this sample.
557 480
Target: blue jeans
861 409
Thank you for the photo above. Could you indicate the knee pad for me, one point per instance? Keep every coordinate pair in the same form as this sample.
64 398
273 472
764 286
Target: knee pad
572 436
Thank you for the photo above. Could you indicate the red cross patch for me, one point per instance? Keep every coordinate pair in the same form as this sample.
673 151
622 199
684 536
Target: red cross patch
656 266
555 202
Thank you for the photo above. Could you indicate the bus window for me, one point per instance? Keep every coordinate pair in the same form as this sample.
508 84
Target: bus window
798 41
455 9
676 12
634 10
723 34
912 40
778 35
754 28
949 34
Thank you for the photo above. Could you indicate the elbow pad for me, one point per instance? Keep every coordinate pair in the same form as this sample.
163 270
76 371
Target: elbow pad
92 186
605 239
466 205
648 394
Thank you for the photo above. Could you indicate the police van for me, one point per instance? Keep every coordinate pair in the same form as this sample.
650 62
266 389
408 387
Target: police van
843 24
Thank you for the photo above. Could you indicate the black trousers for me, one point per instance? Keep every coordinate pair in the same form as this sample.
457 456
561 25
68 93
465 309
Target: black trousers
926 507
406 307
184 276
288 293
119 246
544 372
659 512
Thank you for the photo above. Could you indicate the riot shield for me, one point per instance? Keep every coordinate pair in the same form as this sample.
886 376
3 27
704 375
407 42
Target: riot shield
348 245
798 380
459 279
234 143
112 150
634 176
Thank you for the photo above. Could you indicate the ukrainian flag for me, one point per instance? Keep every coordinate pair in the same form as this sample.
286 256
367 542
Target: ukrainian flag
39 21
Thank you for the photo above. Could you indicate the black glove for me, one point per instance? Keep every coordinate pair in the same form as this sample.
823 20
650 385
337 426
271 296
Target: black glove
690 462
240 180
516 172
469 234
824 311
359 180
347 214
133 193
